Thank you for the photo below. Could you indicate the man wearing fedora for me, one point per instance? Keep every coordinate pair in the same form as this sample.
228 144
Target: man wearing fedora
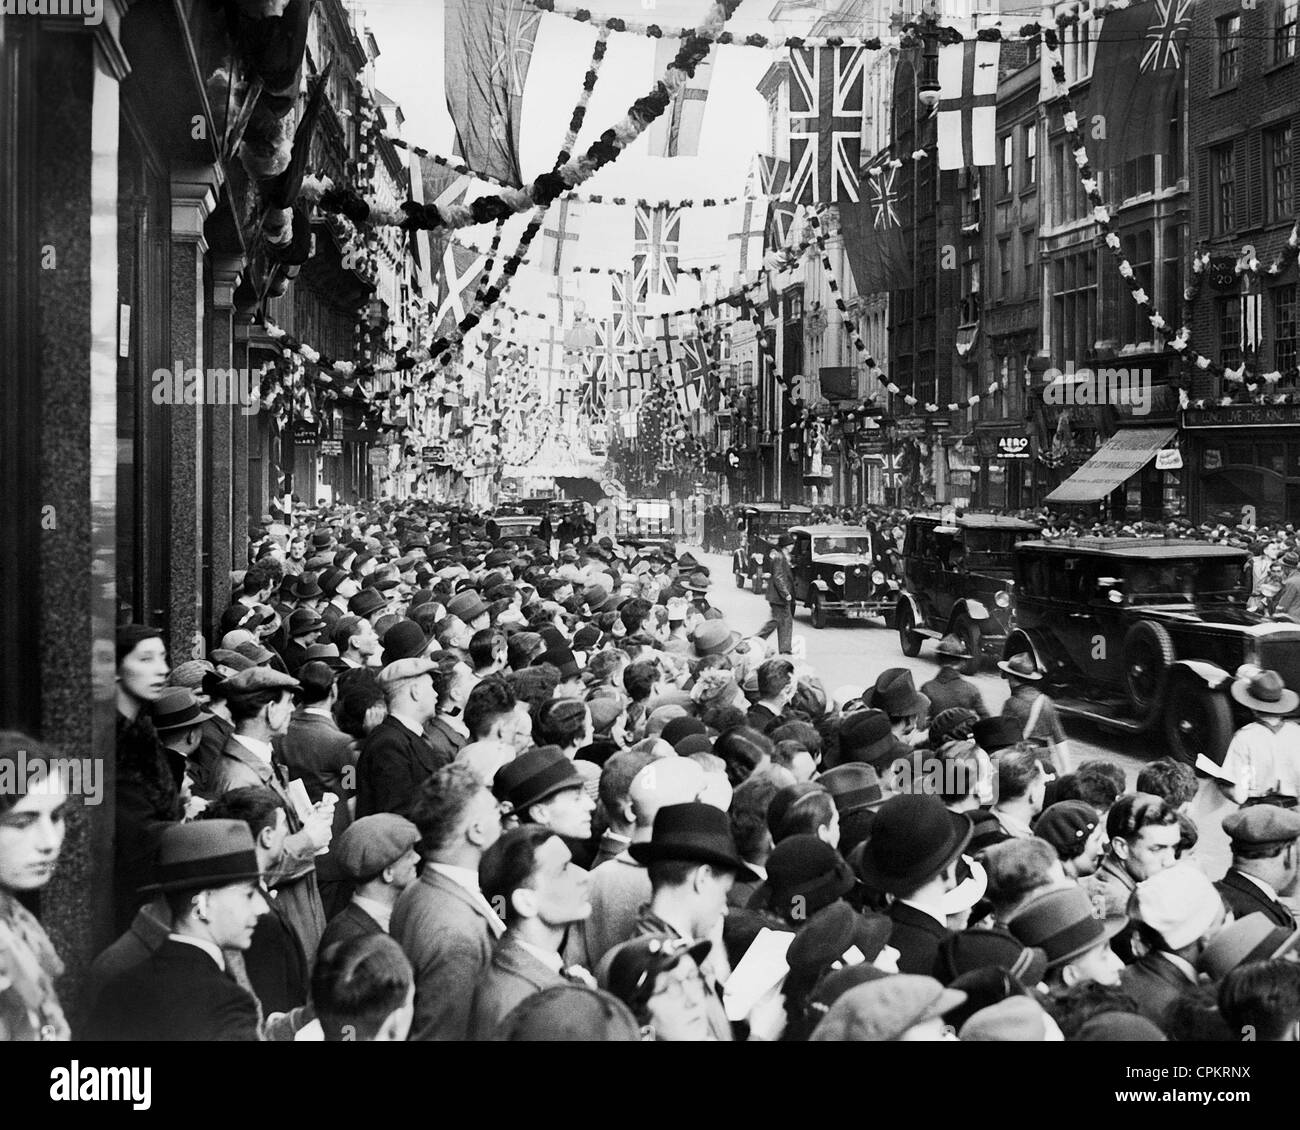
1264 755
780 595
396 758
1265 861
208 872
692 863
1062 922
530 875
948 689
912 854
1032 710
909 711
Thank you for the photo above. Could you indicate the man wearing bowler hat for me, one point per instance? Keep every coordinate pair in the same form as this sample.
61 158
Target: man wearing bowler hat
208 872
1264 755
912 853
780 595
1264 862
692 862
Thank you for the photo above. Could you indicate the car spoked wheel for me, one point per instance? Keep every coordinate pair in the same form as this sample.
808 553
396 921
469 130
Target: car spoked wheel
1147 654
817 610
909 639
1198 721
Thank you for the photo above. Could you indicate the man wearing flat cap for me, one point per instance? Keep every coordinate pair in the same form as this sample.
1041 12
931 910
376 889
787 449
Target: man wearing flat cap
397 758
380 855
1264 862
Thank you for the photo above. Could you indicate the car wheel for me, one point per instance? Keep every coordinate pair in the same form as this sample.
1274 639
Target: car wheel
818 612
908 638
968 632
1197 721
1147 653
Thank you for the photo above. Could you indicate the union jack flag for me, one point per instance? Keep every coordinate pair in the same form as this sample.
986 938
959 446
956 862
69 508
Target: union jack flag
462 268
882 192
626 328
607 361
1167 35
654 257
827 102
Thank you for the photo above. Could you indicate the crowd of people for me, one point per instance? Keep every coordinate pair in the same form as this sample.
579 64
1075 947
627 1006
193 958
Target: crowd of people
429 784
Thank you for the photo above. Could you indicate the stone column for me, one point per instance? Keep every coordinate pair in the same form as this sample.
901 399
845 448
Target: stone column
193 199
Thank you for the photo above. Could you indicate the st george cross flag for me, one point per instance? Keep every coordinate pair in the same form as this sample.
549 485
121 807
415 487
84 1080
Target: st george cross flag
1136 72
685 388
827 104
559 237
639 376
874 237
676 132
462 268
489 46
968 95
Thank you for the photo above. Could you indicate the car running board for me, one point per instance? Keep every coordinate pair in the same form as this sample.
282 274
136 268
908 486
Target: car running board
1111 715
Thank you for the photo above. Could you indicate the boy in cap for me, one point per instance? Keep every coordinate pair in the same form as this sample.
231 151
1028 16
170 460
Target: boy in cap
1264 862
1176 912
531 876
380 855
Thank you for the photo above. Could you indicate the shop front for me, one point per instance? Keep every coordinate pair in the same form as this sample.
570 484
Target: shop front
1002 474
1135 475
1244 462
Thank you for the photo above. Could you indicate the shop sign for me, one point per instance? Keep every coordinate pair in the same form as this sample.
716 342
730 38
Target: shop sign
1242 416
1013 447
1170 459
1212 459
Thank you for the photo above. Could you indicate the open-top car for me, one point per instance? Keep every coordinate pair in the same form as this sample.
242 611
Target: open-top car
957 580
760 524
1147 635
836 574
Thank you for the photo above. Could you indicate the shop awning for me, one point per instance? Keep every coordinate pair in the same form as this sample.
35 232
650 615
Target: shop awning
1119 458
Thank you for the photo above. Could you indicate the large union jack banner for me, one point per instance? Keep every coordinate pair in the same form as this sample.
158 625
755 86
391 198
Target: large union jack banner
827 100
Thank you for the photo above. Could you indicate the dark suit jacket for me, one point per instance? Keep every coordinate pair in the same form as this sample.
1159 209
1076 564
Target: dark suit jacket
294 655
216 732
948 689
315 751
445 741
761 718
394 764
275 962
1154 982
350 922
916 936
511 975
178 994
1244 897
780 581
448 939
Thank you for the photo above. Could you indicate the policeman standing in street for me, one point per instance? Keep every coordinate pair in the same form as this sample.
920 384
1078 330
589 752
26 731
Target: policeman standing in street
780 595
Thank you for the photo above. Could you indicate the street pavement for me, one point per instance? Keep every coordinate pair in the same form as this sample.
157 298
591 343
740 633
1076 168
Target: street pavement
854 653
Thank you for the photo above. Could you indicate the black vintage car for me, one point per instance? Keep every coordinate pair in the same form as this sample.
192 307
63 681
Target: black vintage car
1146 635
957 580
836 574
760 523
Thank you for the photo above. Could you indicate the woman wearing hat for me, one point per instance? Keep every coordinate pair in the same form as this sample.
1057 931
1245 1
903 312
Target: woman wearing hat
147 789
659 979
32 826
1264 755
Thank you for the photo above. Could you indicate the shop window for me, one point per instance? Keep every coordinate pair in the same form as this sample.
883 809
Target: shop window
1285 333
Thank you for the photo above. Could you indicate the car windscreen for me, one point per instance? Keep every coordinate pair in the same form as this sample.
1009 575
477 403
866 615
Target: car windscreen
762 523
992 549
1185 581
858 546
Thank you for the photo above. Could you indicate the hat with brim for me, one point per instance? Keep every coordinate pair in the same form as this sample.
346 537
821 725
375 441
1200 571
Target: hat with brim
1063 923
853 787
1256 937
177 709
952 647
914 838
203 855
714 637
691 833
534 776
1021 666
631 969
404 640
1265 693
895 693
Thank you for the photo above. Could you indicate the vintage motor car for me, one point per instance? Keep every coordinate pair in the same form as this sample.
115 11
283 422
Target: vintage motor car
646 524
836 574
957 579
515 527
760 524
1146 635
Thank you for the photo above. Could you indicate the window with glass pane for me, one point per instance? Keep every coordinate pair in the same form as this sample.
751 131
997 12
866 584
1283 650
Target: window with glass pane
1230 332
1284 30
1173 168
1229 45
1285 331
1027 241
1004 267
1031 154
1061 173
1223 175
1171 292
1005 184
1277 152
